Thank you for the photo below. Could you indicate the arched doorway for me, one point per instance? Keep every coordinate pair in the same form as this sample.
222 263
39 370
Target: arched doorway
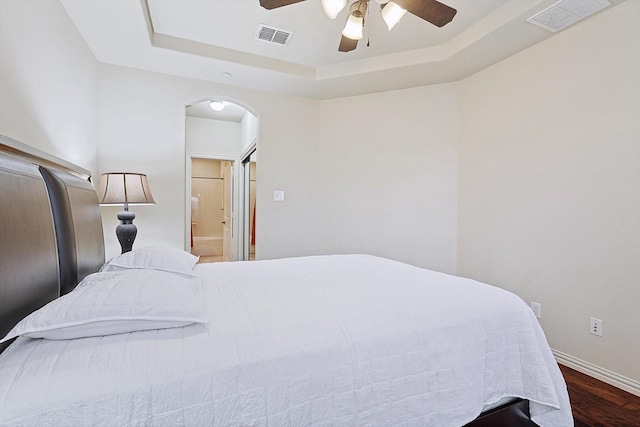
220 205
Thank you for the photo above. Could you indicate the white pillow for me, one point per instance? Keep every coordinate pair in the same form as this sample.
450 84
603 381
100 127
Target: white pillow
163 259
115 303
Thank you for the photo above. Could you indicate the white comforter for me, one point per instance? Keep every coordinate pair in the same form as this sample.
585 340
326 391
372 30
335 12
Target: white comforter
330 340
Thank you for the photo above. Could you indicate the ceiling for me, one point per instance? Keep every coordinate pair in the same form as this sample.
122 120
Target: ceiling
215 40
231 112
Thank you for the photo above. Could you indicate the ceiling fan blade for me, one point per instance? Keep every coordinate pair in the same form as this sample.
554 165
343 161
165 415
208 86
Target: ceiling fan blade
430 10
347 44
273 4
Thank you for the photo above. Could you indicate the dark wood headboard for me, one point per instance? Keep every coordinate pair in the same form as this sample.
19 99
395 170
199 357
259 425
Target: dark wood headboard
50 230
78 225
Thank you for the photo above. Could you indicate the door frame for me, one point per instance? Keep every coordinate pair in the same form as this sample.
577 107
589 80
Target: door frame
244 213
234 201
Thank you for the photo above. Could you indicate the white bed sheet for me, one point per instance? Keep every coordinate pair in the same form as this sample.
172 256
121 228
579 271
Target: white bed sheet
328 340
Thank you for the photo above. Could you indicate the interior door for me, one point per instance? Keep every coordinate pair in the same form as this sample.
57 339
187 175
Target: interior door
227 207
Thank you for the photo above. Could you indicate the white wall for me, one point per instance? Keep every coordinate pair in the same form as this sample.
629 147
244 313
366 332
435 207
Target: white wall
48 82
550 184
388 178
213 137
142 128
250 128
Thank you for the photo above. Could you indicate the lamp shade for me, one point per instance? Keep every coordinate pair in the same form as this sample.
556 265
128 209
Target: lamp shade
353 28
117 188
392 13
333 7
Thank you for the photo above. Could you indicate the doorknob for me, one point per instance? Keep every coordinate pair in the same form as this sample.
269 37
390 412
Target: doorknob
224 222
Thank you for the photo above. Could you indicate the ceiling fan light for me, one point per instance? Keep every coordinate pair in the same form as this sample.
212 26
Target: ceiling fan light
353 28
216 105
333 7
392 13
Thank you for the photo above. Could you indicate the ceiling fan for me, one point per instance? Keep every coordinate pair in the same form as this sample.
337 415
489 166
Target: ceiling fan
391 10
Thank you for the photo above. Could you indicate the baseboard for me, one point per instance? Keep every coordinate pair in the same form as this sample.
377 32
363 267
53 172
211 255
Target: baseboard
604 375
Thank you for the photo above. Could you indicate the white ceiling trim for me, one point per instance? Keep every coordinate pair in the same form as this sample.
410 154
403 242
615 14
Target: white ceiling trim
116 33
513 9
230 55
509 12
221 53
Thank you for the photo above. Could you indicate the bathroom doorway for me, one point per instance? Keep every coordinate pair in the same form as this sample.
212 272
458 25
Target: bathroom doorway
211 209
227 133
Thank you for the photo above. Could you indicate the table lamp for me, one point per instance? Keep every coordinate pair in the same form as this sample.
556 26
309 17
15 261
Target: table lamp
125 188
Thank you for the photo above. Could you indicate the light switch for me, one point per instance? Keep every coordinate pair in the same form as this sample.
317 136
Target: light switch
278 196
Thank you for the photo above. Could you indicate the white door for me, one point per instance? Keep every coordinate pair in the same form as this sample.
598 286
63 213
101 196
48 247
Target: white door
227 203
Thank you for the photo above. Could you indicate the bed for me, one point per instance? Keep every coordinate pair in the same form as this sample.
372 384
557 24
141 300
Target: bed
321 340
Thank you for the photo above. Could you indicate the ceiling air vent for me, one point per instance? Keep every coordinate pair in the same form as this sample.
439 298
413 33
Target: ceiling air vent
273 35
566 12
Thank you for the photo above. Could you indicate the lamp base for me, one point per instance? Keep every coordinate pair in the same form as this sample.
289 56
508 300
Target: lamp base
126 231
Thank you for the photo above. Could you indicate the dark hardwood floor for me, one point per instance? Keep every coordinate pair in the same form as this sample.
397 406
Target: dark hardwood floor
597 404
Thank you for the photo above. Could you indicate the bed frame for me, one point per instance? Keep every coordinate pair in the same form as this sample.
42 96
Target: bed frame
50 230
51 238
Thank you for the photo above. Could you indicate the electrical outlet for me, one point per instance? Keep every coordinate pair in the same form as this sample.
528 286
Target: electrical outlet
537 309
595 326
